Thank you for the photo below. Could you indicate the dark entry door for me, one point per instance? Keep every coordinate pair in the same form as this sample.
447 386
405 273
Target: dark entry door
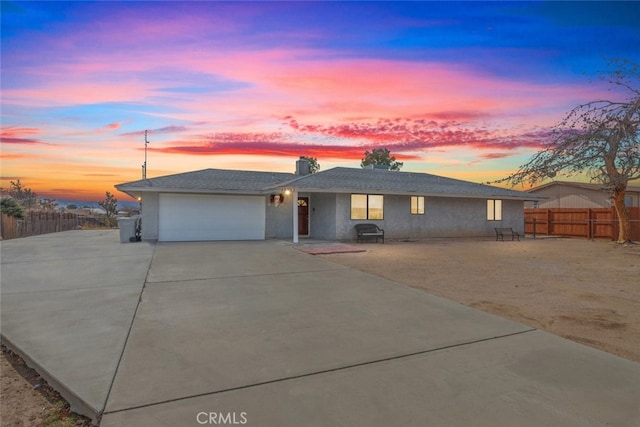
303 216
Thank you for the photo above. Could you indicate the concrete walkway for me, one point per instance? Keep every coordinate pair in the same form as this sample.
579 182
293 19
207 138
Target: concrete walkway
260 334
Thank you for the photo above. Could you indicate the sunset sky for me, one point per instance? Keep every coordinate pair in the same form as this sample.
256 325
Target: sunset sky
464 90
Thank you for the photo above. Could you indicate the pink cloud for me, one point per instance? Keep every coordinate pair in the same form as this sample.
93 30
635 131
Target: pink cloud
266 144
14 156
113 126
408 135
16 135
309 84
493 156
408 139
166 129
105 129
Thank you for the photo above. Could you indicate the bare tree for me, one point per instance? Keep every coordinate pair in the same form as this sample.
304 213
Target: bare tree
22 194
47 204
110 205
599 138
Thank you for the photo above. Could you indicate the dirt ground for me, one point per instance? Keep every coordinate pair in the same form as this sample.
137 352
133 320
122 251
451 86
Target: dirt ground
27 400
586 291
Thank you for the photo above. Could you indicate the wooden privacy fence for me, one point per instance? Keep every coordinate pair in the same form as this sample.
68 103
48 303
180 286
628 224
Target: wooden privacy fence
35 223
597 223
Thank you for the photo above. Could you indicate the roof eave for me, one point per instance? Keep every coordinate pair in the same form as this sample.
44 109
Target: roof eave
146 189
528 197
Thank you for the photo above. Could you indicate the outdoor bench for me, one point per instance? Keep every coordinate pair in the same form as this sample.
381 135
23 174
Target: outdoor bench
501 232
369 230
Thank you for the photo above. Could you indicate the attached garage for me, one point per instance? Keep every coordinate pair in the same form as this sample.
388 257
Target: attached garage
194 217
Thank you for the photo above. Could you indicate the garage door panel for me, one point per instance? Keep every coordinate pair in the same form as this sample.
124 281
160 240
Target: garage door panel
185 217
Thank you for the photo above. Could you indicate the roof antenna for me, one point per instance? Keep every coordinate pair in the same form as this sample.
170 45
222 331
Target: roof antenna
144 166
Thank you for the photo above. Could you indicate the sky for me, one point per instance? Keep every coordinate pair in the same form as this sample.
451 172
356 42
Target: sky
467 90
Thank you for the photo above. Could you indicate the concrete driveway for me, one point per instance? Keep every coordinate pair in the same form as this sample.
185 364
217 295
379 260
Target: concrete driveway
257 333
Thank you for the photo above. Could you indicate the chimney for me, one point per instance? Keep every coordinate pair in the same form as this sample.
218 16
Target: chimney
377 167
302 166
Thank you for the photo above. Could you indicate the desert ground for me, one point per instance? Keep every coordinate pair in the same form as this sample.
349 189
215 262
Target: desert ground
26 400
586 291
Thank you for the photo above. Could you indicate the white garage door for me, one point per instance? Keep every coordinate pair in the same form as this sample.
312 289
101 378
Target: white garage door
188 217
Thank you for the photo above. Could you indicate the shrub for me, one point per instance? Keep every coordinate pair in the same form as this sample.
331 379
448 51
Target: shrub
12 207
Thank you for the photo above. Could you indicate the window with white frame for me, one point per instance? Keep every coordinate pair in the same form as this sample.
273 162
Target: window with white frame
367 206
417 205
494 210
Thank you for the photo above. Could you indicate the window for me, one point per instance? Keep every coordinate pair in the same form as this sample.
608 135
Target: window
358 206
367 206
628 201
494 210
376 207
417 205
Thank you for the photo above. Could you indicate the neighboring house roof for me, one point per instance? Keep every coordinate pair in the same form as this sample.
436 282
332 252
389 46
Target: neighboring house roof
209 181
346 180
583 185
336 180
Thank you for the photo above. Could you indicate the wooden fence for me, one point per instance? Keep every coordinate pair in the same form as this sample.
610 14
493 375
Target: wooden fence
598 223
35 223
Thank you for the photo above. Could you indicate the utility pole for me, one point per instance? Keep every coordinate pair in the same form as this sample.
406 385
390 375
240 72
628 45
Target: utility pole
144 166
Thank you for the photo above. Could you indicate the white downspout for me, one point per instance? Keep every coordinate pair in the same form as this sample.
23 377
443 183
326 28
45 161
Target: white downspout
294 203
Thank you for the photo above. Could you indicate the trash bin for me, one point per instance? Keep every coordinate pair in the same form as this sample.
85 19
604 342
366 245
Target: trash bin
127 228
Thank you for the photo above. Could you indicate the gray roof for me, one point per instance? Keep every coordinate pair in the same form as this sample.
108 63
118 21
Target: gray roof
585 185
348 180
336 180
209 181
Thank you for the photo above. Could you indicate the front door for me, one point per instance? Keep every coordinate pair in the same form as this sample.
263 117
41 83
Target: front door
303 216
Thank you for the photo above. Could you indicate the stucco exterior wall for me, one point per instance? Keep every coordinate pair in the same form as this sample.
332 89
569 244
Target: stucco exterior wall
150 212
443 217
322 216
329 217
279 219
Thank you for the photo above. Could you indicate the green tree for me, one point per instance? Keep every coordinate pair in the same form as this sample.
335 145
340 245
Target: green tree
12 207
110 205
599 138
314 166
24 195
380 156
